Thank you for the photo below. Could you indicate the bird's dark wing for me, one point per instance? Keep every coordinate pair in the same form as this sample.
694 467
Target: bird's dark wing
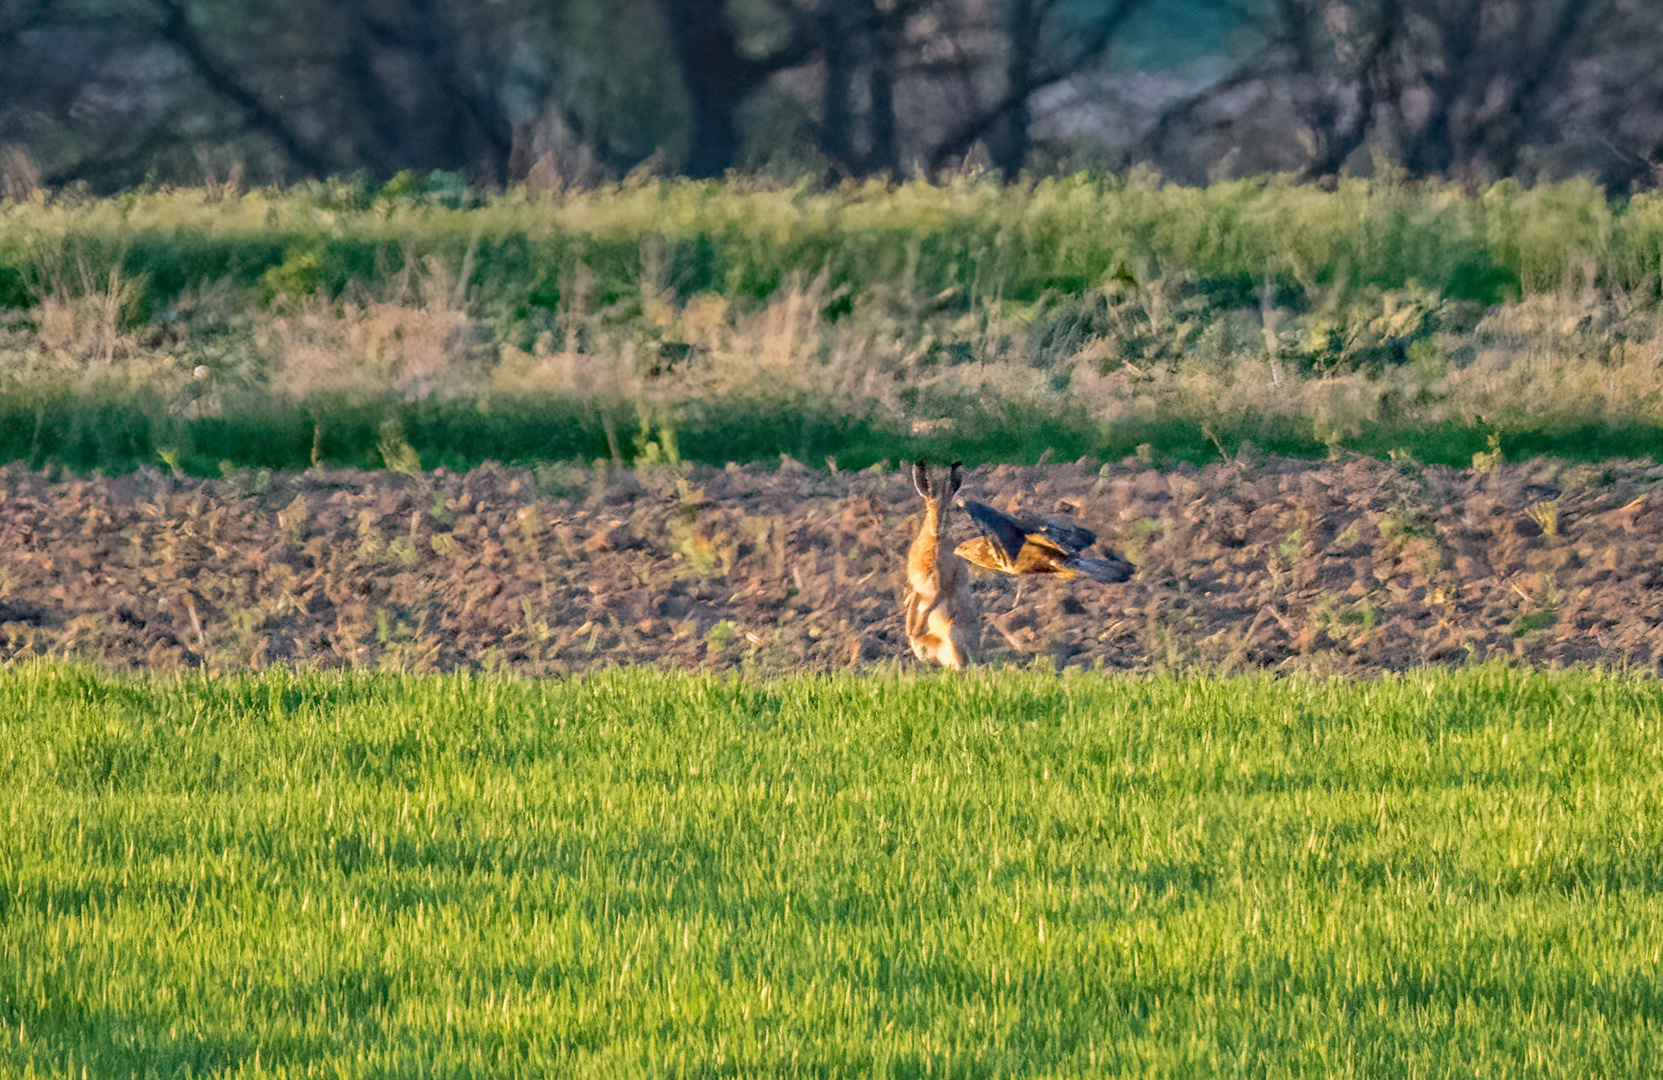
1006 531
1110 571
1066 534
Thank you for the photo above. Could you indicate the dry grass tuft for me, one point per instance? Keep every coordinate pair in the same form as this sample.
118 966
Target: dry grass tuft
421 346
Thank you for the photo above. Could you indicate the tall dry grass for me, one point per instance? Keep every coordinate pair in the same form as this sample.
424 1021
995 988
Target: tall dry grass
1552 359
420 342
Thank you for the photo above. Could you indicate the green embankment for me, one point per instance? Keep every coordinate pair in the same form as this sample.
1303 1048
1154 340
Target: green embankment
1443 874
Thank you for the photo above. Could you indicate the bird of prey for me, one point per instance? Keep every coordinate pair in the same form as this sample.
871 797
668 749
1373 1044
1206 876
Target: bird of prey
1013 544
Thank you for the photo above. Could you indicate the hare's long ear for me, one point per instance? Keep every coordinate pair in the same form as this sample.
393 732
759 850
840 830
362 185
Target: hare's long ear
954 479
921 477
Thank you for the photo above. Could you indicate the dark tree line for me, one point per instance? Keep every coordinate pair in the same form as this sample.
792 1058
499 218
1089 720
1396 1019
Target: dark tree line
112 91
1465 89
314 87
325 87
865 50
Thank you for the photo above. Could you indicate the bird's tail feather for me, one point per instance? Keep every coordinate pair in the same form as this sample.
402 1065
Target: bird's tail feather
1108 571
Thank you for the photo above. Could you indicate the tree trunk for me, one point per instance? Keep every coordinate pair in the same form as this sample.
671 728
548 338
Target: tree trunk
882 156
837 120
412 97
716 79
858 135
1007 137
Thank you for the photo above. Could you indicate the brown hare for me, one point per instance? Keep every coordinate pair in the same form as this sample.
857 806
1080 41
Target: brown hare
943 622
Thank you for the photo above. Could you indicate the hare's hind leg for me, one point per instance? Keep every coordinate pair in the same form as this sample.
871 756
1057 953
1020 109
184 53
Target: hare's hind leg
947 653
930 638
913 620
949 641
967 642
919 614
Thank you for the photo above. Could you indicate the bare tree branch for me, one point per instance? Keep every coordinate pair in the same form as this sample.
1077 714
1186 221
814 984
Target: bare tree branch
1536 72
177 30
718 79
1017 94
1340 142
1181 114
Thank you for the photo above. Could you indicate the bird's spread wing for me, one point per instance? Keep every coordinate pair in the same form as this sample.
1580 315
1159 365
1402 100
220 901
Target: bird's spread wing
985 553
1008 532
1041 556
1066 534
1015 545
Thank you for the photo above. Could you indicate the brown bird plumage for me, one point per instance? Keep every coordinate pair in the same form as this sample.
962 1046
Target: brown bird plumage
1013 544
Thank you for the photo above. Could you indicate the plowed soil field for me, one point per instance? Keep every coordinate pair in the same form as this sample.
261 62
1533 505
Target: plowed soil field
1339 566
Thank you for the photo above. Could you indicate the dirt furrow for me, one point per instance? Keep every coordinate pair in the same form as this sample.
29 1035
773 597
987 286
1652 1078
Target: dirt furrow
1339 566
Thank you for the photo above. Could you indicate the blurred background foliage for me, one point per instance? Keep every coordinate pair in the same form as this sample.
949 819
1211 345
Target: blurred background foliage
261 233
575 92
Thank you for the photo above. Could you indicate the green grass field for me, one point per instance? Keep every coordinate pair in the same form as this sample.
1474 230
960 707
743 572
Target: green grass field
1011 874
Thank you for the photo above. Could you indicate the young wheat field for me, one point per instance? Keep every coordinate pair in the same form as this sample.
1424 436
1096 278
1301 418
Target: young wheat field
1007 874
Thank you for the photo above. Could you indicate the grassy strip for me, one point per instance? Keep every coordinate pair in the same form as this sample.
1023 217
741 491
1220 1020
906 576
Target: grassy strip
1087 316
1010 874
83 434
974 238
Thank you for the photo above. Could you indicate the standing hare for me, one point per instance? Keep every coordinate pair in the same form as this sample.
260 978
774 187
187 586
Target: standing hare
942 620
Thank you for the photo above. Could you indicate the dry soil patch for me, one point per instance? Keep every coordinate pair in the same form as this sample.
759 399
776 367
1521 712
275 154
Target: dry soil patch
1341 566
